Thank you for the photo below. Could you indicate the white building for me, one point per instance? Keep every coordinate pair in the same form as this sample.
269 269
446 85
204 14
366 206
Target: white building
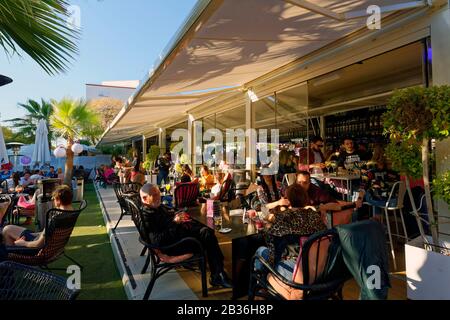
120 90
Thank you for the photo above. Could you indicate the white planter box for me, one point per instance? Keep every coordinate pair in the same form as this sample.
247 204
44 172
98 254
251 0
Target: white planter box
427 272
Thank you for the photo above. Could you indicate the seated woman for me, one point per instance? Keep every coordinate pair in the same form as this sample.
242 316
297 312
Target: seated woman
19 236
186 174
214 194
137 176
285 228
206 179
60 175
11 183
268 192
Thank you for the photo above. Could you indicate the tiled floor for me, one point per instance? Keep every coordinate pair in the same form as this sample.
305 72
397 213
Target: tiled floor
184 284
127 249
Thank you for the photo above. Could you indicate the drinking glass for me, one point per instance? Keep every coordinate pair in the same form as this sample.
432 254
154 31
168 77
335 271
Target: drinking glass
328 166
334 165
218 222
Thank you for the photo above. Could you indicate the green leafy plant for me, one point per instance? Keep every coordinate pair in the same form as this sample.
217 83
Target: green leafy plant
441 186
115 150
414 117
151 157
71 119
405 158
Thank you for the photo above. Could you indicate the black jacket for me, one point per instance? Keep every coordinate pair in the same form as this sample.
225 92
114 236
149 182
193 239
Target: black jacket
159 226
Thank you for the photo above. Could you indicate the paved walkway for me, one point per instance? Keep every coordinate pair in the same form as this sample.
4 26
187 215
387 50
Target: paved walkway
127 249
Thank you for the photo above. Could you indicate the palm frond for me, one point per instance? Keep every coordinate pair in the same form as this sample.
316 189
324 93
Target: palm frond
71 118
39 28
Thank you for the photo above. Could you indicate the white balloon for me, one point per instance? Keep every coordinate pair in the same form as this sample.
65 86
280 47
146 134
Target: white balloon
60 152
77 148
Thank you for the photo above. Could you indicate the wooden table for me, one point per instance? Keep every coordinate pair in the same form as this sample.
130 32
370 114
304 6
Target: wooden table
245 239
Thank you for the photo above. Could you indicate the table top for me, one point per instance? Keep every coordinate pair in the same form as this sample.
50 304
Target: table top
238 229
337 177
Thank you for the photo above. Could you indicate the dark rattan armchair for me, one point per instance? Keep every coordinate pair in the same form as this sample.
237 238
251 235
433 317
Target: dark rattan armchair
20 282
58 228
322 268
160 263
122 190
186 194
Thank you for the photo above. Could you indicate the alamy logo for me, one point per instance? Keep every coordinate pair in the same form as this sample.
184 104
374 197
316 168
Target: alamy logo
374 19
373 281
74 280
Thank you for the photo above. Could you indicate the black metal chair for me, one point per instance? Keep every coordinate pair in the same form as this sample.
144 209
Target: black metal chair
20 282
58 228
123 190
159 263
317 284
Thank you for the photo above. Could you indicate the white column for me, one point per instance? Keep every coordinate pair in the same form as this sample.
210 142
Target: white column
322 127
197 138
162 141
191 151
440 42
144 148
251 140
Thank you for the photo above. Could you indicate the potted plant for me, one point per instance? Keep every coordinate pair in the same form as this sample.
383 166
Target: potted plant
149 163
416 116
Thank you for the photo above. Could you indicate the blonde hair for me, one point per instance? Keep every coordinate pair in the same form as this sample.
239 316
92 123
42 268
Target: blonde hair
59 170
378 154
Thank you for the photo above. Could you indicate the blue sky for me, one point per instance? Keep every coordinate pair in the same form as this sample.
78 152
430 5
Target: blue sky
120 41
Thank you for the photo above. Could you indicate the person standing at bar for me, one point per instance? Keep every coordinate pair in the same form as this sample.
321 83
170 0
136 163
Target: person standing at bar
163 164
313 158
349 155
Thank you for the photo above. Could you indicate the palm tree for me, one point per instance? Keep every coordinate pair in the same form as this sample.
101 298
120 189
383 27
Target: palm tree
38 28
26 126
71 119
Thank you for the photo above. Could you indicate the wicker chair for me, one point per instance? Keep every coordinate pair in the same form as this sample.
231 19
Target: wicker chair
20 282
159 263
122 190
58 228
323 270
186 194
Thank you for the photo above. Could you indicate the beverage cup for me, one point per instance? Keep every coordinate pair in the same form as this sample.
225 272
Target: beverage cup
218 222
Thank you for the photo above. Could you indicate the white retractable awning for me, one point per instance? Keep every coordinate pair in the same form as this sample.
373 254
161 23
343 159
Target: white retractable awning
227 43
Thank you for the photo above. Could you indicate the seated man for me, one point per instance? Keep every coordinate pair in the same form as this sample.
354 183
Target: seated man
164 228
26 180
19 236
37 175
51 173
350 155
316 195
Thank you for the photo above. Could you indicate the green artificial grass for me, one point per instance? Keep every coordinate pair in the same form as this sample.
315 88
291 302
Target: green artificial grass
89 245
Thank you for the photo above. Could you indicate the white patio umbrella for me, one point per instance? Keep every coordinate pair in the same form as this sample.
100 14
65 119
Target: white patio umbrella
3 153
41 152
